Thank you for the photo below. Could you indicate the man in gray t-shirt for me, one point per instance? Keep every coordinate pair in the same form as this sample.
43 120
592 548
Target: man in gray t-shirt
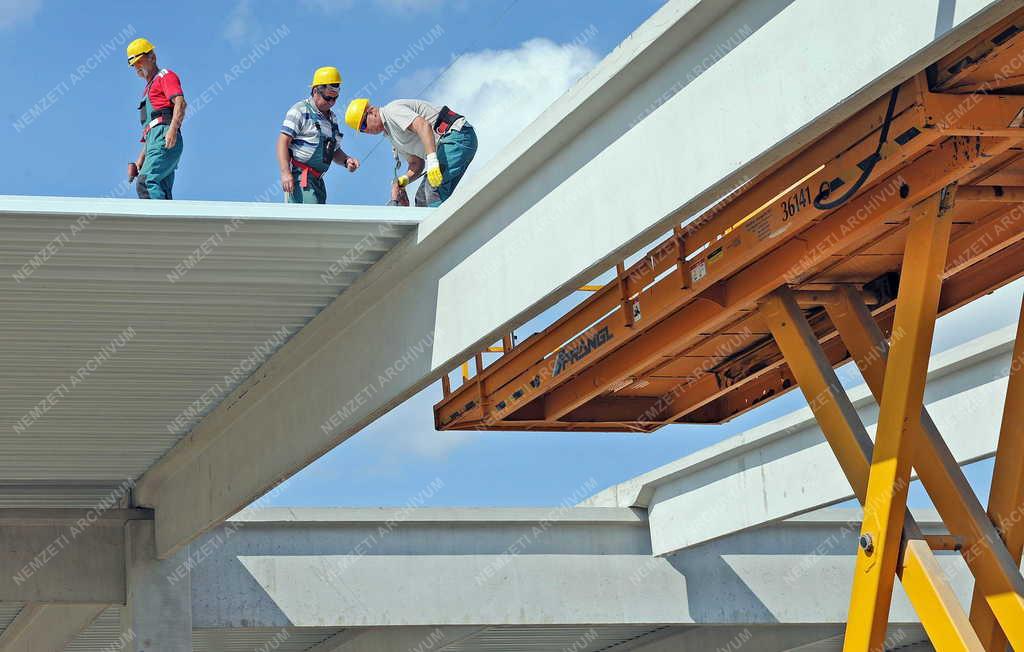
433 139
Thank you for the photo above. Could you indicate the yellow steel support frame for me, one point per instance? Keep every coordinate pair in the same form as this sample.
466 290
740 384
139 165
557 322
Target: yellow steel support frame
944 619
885 506
1000 586
1006 502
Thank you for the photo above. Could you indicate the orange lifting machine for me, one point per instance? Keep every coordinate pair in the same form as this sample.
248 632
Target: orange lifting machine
847 250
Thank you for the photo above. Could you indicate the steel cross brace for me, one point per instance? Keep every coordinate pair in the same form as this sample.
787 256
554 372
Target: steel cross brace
999 584
944 619
1006 509
885 505
890 537
1000 587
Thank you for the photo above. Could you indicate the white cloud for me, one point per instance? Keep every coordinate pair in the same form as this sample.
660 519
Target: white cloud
502 91
13 12
242 27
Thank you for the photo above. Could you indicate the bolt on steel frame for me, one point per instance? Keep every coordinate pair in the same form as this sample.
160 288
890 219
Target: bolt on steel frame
847 251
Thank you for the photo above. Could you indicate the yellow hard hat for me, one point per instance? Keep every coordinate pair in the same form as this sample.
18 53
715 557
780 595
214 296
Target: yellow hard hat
355 112
137 48
325 76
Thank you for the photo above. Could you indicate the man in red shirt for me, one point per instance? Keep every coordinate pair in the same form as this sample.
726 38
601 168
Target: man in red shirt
161 111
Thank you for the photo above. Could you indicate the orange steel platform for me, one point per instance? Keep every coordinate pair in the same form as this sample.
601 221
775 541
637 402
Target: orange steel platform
694 352
849 249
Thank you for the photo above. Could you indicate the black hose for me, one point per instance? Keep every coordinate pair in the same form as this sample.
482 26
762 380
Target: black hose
826 189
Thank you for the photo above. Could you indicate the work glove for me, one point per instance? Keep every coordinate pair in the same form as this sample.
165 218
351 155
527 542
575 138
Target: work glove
402 181
434 176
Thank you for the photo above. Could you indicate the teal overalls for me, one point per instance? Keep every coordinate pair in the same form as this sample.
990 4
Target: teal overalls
309 183
156 178
456 148
455 151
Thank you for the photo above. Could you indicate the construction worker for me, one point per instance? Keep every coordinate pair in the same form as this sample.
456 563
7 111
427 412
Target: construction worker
432 139
309 141
161 111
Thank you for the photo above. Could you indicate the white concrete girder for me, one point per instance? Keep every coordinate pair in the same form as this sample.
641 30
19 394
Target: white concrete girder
158 613
588 566
498 253
785 467
64 555
47 627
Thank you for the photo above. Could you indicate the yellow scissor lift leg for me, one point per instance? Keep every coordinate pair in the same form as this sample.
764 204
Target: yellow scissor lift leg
885 505
1006 506
999 606
1000 586
943 617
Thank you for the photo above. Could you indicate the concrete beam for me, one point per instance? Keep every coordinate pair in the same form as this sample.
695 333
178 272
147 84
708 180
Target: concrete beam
158 612
478 589
685 81
337 568
81 518
785 467
403 638
47 627
771 638
592 568
763 638
64 555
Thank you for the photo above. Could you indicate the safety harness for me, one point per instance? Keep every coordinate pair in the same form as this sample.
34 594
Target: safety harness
328 147
306 171
446 118
157 116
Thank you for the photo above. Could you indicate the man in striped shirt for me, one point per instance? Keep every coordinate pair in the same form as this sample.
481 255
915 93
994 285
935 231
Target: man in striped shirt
310 141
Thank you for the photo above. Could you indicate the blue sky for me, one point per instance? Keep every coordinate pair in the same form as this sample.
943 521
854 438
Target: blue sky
400 454
78 141
70 127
